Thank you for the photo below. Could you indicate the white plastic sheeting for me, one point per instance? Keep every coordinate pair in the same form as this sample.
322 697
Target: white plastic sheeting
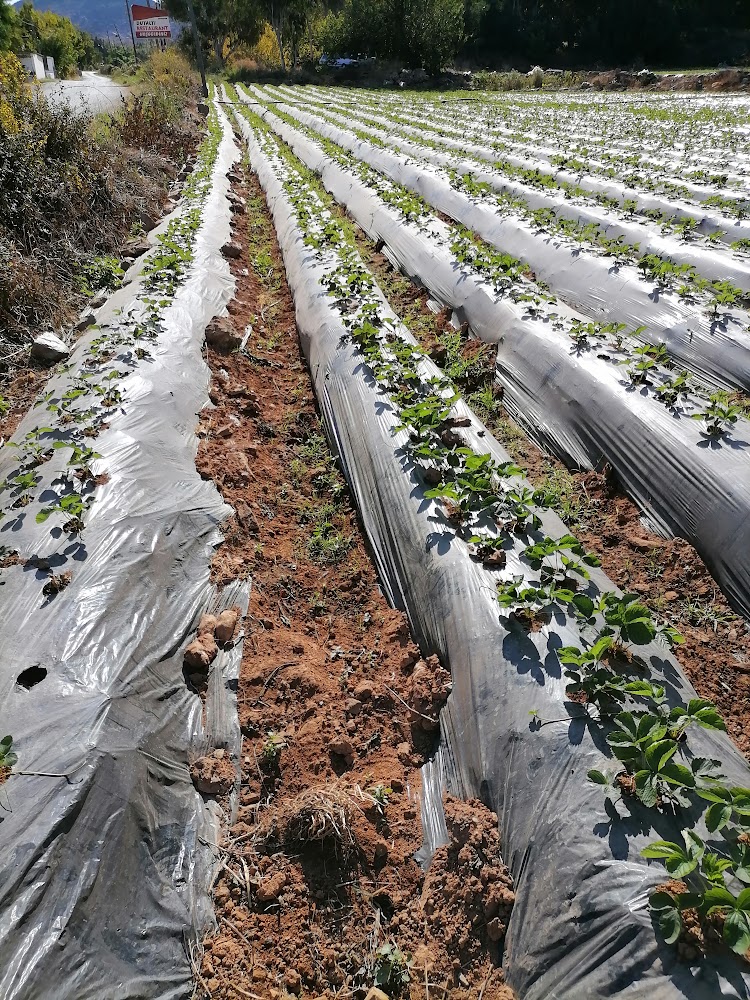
719 352
580 927
710 262
104 871
581 407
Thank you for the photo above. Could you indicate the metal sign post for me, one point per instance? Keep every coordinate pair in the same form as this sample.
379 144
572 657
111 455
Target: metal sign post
132 33
198 49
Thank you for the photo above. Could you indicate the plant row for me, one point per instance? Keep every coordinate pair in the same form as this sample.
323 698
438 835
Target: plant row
546 170
81 410
497 516
644 365
667 275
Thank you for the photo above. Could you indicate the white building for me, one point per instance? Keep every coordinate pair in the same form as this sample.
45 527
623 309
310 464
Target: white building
34 66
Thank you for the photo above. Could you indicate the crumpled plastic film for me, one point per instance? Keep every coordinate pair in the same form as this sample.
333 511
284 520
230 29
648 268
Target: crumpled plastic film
103 873
577 405
719 352
580 928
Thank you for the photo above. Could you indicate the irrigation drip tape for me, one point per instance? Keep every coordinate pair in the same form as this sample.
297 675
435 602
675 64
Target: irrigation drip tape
579 406
581 926
717 351
105 868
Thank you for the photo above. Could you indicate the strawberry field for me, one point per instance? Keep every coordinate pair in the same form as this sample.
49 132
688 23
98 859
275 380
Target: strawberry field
601 247
386 536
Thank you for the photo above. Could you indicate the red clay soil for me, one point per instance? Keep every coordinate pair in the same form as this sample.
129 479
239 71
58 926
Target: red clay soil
318 894
668 573
20 391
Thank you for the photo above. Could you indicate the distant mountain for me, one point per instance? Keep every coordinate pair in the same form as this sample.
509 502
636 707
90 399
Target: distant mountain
98 17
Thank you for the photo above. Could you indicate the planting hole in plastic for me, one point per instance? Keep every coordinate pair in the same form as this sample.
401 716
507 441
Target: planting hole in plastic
32 676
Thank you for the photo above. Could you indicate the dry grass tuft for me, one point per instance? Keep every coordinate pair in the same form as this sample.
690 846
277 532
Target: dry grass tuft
316 815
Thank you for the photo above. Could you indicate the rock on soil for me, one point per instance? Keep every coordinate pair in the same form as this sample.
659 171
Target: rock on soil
222 336
226 624
48 347
133 250
430 687
213 774
232 250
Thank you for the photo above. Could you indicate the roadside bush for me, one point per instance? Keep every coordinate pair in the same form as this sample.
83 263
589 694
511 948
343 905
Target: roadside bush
72 187
512 80
171 73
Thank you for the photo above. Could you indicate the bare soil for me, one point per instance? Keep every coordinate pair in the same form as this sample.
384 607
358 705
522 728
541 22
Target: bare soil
319 893
668 573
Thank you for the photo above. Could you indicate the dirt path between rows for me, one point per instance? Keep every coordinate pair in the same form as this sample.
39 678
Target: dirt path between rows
319 894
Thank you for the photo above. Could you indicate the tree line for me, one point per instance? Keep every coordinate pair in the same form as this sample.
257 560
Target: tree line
23 29
496 33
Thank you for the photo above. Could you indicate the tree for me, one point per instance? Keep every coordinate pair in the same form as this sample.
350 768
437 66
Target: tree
425 33
53 35
221 22
289 20
433 31
9 27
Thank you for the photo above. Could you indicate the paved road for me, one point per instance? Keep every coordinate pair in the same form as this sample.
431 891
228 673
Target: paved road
97 92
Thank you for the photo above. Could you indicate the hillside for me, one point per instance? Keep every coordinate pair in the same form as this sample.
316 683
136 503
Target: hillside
105 16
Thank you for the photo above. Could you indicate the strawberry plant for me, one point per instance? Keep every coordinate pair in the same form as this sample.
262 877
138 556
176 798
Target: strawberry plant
529 603
626 619
673 389
719 416
706 892
72 506
641 742
8 757
549 557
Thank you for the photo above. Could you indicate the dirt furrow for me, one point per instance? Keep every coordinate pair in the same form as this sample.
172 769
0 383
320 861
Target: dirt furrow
319 893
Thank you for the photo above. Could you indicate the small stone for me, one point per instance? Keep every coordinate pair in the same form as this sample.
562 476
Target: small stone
49 347
496 930
376 994
270 888
226 624
341 746
226 431
352 706
298 648
201 652
245 517
133 250
671 595
408 660
643 542
292 980
364 691
207 624
147 221
221 335
381 853
86 319
232 250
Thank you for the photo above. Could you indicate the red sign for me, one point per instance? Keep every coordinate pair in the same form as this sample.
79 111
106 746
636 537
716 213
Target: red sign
150 22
